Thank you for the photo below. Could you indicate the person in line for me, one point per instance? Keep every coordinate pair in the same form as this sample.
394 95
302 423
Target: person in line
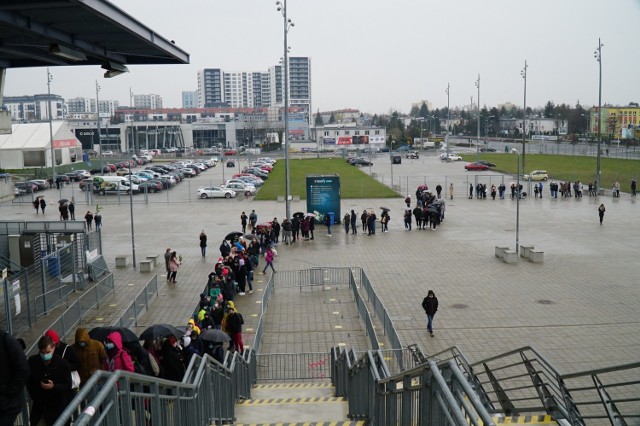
275 230
14 377
430 306
363 218
353 219
89 219
286 231
172 361
438 190
90 352
253 220
346 222
407 220
174 265
69 356
312 226
269 256
233 327
384 220
601 211
48 385
167 258
203 243
493 192
117 357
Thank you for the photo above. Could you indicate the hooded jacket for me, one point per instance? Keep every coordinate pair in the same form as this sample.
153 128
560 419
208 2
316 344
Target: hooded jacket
93 355
117 358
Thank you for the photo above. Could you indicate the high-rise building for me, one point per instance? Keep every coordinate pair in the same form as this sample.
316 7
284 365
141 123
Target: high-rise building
245 89
146 102
189 99
210 88
81 105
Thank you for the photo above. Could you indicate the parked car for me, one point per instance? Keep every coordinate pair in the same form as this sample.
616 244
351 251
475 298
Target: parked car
361 162
214 192
107 153
231 163
536 175
150 186
452 157
487 163
240 186
40 183
476 166
27 187
412 154
487 149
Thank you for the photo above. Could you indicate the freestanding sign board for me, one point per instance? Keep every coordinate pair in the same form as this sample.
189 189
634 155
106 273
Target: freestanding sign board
323 196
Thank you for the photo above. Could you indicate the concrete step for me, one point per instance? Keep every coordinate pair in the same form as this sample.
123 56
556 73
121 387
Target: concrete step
293 403
533 420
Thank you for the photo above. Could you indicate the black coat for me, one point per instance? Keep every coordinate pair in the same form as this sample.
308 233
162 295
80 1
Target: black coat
15 373
172 363
430 305
48 404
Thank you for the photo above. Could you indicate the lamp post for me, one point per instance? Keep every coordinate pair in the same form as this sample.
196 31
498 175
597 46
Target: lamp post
282 7
53 155
98 121
598 55
478 139
446 140
524 114
515 151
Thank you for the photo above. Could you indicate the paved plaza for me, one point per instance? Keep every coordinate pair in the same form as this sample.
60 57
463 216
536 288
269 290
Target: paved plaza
579 307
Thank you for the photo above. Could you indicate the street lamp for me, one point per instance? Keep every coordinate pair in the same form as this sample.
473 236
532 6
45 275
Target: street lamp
598 55
98 121
478 140
446 141
524 113
53 155
515 151
282 7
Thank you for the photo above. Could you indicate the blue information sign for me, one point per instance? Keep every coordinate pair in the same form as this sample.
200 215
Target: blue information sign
323 196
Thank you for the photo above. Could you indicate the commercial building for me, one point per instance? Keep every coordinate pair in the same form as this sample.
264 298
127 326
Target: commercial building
210 88
350 136
146 101
617 122
190 99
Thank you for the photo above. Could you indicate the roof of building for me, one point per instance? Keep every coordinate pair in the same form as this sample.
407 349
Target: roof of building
78 32
34 135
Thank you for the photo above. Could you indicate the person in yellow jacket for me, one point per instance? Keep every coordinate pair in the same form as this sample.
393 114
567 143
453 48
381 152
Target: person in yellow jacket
91 352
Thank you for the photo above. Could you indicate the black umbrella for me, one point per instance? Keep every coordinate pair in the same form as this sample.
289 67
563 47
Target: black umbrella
233 236
160 330
385 208
101 333
64 200
215 336
250 236
298 214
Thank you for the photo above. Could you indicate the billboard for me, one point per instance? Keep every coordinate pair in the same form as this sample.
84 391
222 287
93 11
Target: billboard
360 140
323 196
329 141
344 140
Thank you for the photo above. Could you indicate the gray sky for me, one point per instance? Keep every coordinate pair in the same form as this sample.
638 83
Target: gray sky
379 55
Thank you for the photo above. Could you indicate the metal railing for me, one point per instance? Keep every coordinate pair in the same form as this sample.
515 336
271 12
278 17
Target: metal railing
73 315
139 305
424 395
206 396
309 366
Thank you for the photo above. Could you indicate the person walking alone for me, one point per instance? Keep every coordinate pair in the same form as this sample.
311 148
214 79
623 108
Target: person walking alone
268 258
430 306
72 210
601 211
451 191
43 204
203 243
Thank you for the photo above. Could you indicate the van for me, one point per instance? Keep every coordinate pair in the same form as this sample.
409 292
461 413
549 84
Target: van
116 184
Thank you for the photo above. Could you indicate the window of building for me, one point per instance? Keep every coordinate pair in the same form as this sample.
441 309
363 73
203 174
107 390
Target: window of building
337 132
326 133
366 132
357 132
377 132
347 132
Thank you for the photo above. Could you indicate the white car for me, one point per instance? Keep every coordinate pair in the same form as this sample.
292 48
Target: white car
107 153
214 192
452 157
242 187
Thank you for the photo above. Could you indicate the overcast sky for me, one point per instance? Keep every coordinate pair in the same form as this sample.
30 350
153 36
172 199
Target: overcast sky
379 55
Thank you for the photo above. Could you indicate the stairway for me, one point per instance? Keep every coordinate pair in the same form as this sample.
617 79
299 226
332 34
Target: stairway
293 403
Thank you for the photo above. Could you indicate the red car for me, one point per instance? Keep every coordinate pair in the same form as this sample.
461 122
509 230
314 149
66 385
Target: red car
230 152
476 167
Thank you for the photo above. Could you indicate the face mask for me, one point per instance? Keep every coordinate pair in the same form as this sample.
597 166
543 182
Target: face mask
109 345
46 357
82 344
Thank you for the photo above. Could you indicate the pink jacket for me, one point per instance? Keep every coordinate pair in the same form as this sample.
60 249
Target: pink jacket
117 358
268 256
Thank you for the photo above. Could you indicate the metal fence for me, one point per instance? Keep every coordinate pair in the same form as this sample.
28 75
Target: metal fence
75 312
310 366
139 305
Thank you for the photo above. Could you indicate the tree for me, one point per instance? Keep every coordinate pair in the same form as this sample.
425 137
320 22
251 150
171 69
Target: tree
319 120
415 111
332 118
424 111
549 110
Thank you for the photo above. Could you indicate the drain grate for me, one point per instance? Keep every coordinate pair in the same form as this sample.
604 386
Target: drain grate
459 306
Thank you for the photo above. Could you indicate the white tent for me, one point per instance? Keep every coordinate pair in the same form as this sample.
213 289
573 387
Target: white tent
29 145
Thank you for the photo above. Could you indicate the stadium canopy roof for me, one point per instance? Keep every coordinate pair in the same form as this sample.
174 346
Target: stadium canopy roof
35 33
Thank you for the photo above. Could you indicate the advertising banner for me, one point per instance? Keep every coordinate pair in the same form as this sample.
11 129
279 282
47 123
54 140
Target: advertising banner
344 140
359 140
329 141
323 196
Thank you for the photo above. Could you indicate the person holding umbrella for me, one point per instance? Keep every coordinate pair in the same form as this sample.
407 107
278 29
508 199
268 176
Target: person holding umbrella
36 204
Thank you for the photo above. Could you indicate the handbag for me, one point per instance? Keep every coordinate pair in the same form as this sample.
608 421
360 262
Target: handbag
75 376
